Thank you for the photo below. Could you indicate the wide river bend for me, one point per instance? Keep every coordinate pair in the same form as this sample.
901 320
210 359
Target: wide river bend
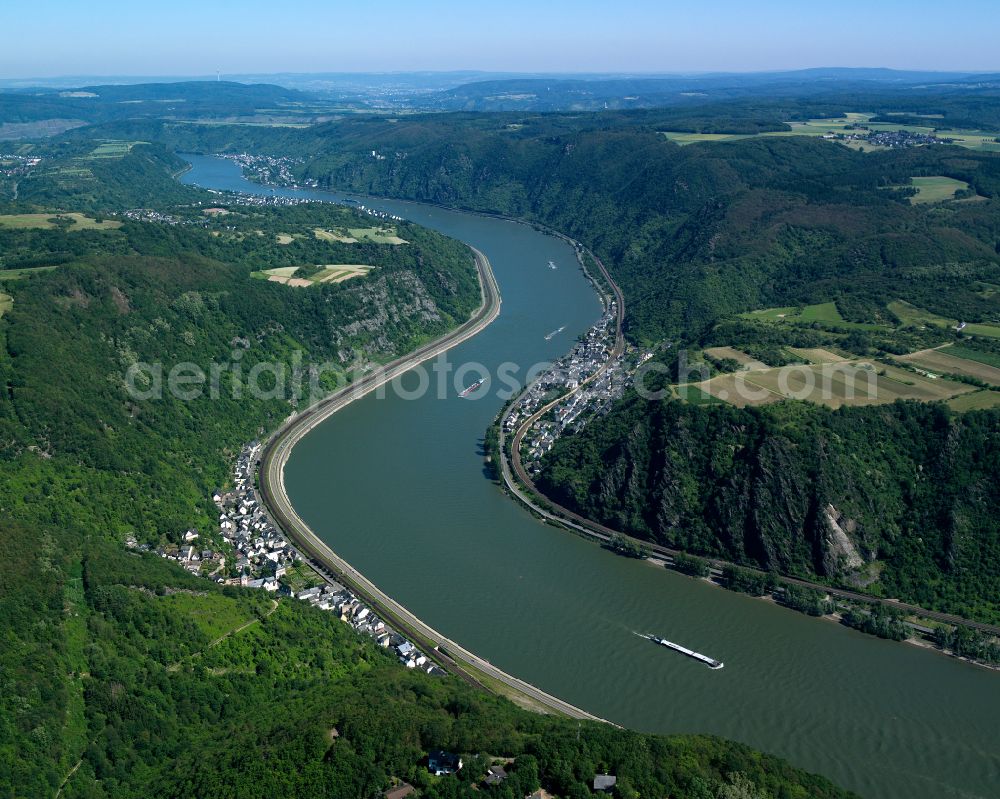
396 487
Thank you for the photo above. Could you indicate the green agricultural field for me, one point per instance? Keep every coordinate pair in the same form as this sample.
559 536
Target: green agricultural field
17 274
113 149
835 385
681 138
695 395
6 303
340 236
937 189
973 139
976 401
969 354
944 362
71 222
379 235
911 315
970 139
825 313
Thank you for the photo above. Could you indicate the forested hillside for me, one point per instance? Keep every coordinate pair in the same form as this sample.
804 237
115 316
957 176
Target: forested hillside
910 487
125 676
184 99
693 234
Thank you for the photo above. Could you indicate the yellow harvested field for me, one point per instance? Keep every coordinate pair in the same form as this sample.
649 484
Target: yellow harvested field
290 281
738 390
817 355
938 361
832 384
215 211
740 357
328 273
44 221
282 271
284 238
338 273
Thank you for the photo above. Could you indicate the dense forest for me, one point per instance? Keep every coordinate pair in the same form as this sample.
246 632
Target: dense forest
120 682
125 676
910 487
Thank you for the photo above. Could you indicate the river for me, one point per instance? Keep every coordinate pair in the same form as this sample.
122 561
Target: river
396 486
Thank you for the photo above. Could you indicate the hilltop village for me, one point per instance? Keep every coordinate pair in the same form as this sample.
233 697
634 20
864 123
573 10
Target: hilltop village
888 139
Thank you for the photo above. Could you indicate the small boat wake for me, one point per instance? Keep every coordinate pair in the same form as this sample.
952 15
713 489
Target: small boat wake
555 333
712 663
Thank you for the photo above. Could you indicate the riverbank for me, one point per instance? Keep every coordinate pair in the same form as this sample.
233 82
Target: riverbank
512 470
270 481
518 483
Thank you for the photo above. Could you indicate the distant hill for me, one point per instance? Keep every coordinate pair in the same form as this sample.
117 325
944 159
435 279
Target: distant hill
564 93
187 99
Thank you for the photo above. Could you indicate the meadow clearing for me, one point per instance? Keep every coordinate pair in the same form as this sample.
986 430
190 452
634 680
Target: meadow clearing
18 274
378 235
113 149
331 235
72 221
828 315
912 315
936 189
213 615
975 401
825 313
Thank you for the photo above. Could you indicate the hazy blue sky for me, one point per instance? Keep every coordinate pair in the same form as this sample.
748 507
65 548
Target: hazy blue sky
59 37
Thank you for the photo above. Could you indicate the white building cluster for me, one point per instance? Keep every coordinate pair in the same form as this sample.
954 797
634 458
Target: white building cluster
13 165
261 557
566 376
269 169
